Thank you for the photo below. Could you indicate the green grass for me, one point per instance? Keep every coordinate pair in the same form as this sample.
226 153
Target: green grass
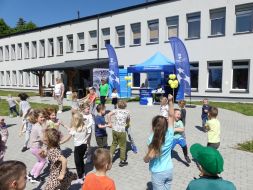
4 111
246 146
243 108
15 93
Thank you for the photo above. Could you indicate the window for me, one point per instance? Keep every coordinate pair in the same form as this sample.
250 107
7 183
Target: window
244 18
2 78
7 53
60 45
93 39
70 47
35 80
14 78
136 33
193 21
240 75
194 70
1 54
52 77
42 48
21 79
217 18
19 51
215 75
136 79
153 33
27 79
80 41
27 54
120 36
34 49
8 78
13 52
50 47
172 25
105 36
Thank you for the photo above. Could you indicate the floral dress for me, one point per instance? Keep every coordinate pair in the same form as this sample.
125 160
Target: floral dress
55 168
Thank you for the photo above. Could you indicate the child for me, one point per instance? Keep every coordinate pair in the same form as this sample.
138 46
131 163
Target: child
75 102
36 142
91 98
98 180
12 105
181 104
79 131
100 127
24 105
164 109
211 164
12 175
3 130
52 121
59 176
114 97
159 149
89 123
179 136
26 128
213 128
2 149
204 115
122 119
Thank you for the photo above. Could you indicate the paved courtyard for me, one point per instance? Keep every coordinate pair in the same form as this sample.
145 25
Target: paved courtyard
235 128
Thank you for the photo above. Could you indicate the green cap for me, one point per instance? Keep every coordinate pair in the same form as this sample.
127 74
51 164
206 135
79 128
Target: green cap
209 158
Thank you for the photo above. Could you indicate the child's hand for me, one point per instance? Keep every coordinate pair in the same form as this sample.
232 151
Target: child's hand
43 153
170 97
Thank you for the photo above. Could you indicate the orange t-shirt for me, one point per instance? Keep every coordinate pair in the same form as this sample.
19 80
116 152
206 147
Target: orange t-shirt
93 182
92 97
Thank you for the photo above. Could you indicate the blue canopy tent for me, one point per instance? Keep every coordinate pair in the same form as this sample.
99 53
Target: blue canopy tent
154 67
156 63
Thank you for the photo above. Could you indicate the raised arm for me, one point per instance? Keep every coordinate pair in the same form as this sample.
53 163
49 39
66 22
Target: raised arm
171 110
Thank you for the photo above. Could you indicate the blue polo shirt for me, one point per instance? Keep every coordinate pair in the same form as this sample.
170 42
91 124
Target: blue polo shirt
100 132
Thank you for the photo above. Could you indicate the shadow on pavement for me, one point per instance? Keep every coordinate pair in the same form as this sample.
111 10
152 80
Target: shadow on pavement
175 155
200 128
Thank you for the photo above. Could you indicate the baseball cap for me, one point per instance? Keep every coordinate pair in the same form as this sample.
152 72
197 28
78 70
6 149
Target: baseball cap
209 158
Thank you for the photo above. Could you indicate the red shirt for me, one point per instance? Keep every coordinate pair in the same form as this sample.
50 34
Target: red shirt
94 182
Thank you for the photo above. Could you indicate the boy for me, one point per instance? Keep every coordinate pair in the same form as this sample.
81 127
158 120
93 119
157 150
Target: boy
211 164
181 104
204 115
100 127
12 105
179 137
213 128
12 175
98 180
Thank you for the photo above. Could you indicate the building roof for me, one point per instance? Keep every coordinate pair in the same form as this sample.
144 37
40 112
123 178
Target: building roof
91 17
75 64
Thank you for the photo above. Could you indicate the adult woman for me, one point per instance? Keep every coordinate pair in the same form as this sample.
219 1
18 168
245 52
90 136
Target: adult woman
103 90
58 93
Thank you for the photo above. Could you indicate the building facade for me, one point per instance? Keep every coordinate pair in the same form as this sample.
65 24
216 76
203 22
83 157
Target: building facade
218 35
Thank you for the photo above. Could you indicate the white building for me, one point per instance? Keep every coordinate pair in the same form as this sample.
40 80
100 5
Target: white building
217 34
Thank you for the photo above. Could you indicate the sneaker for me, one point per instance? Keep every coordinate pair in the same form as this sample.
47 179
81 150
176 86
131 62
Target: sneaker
29 176
35 180
123 163
188 160
78 181
134 148
24 149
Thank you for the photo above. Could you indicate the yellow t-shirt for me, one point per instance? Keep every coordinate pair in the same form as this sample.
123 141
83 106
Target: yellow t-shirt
214 130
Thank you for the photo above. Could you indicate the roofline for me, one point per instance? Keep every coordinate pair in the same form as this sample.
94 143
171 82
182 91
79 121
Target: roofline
90 17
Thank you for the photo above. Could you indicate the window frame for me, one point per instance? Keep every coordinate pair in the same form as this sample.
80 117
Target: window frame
132 33
214 67
120 35
105 37
243 8
50 51
60 47
149 22
80 43
191 15
69 45
217 11
13 52
26 50
42 48
194 69
6 53
34 49
171 18
240 67
1 54
91 39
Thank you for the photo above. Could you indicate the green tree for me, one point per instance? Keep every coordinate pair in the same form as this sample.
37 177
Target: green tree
4 28
23 26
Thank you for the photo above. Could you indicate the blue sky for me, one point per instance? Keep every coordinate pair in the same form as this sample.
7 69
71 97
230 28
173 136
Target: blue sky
45 12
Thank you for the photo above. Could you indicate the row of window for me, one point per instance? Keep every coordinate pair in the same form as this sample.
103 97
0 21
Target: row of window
244 23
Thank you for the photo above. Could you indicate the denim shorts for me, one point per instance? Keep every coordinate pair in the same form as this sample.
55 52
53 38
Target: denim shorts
181 141
162 180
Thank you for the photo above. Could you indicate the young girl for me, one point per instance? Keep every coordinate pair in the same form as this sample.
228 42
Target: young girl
59 177
36 142
26 128
164 109
92 99
4 134
24 105
52 121
89 123
75 102
114 97
159 149
2 149
122 119
80 133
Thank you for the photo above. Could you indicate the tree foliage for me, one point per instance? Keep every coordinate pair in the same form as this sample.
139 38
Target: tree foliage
21 26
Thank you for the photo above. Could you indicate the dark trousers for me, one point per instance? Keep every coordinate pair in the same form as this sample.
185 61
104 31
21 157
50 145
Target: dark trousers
102 100
79 152
102 142
214 145
14 109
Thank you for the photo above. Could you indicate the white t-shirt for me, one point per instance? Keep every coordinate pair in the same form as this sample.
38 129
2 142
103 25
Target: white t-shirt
11 102
58 89
121 117
114 95
24 107
80 137
164 111
89 122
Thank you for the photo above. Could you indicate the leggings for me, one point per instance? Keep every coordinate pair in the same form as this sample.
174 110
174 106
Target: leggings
79 152
37 168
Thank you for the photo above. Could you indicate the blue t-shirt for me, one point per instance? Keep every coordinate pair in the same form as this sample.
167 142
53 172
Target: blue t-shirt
163 162
100 132
204 114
